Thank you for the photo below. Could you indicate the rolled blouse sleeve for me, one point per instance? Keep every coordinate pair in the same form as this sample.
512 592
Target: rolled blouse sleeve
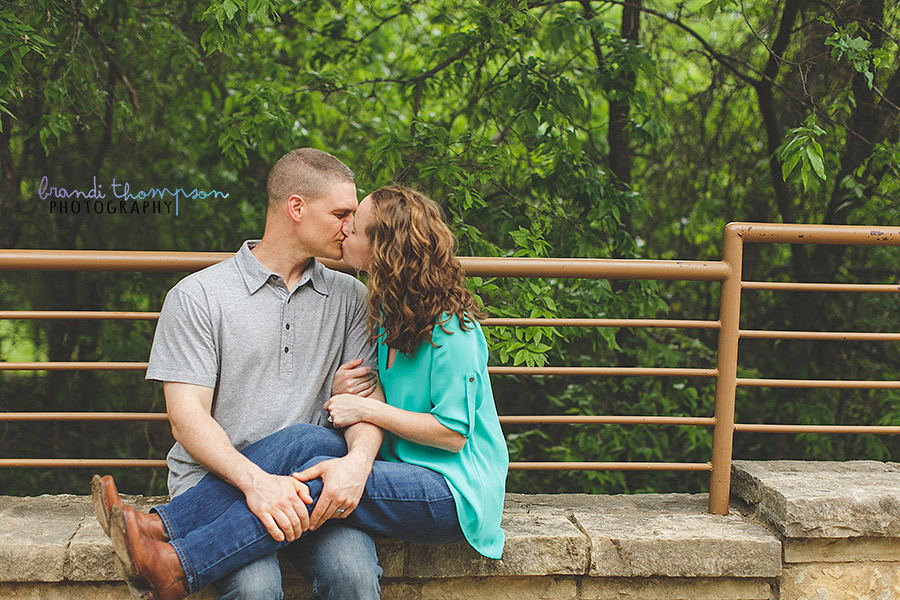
456 377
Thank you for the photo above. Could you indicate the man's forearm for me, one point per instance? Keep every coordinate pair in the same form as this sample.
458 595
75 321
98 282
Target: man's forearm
209 445
364 440
203 437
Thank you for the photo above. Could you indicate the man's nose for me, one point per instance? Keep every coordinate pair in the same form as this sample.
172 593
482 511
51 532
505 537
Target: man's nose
345 226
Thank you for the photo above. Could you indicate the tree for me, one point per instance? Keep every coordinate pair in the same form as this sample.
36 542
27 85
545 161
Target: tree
547 128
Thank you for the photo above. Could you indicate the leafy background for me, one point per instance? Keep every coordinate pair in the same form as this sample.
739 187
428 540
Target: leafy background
632 129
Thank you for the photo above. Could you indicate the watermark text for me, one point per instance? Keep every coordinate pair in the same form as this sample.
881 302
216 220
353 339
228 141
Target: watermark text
123 200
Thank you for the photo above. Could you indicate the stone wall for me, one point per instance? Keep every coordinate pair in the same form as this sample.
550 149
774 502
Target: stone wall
812 531
839 524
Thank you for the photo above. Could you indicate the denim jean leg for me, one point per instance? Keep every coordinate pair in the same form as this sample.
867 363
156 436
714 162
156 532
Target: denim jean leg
284 450
198 506
401 500
339 561
259 580
280 453
409 502
214 551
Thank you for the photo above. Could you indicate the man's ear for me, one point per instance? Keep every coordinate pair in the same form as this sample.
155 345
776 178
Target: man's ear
295 206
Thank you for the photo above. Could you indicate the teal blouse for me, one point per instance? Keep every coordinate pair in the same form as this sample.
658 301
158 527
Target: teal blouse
451 382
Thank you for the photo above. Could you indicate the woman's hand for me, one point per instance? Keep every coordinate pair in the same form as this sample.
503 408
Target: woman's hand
352 378
349 409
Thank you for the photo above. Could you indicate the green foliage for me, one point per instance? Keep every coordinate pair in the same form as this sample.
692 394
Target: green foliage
713 7
501 111
532 297
227 18
17 40
803 148
862 56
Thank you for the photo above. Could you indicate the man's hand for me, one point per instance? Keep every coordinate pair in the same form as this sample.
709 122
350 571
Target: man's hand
344 480
280 503
353 378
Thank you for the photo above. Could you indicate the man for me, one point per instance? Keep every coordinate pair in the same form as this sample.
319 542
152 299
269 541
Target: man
249 346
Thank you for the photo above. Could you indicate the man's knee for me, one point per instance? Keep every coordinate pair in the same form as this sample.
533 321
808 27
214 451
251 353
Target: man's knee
354 575
356 582
259 580
340 562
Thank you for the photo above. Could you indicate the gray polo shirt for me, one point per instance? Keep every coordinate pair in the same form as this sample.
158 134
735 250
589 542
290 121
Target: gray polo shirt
270 353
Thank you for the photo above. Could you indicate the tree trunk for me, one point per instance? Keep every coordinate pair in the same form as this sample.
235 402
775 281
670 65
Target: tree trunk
620 152
10 188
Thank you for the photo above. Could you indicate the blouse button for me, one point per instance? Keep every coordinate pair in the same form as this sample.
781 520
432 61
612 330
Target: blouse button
471 379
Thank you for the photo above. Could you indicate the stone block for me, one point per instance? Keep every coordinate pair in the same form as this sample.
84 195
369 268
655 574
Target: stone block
842 550
840 581
554 542
653 540
391 556
34 536
500 588
664 588
7 502
64 591
296 589
399 590
90 556
804 499
565 504
670 503
538 542
77 591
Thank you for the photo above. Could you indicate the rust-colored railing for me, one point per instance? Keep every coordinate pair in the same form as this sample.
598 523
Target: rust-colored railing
727 272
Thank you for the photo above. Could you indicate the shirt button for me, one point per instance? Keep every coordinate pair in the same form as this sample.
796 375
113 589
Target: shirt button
286 349
287 325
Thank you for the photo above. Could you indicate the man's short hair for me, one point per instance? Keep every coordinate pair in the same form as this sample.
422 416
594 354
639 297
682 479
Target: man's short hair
307 172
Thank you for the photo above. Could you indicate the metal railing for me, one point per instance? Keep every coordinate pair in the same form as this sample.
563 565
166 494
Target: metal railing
727 272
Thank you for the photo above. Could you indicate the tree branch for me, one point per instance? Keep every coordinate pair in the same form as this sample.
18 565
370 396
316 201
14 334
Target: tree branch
769 113
108 54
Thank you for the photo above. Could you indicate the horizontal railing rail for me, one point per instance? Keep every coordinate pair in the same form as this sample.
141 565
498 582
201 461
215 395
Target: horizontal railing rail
730 333
727 272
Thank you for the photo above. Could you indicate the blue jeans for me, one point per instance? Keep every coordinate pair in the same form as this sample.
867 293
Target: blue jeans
339 560
214 533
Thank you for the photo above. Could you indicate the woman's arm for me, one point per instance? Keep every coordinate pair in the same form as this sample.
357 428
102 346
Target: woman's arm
420 428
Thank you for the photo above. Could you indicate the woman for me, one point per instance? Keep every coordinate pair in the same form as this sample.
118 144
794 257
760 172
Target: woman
444 456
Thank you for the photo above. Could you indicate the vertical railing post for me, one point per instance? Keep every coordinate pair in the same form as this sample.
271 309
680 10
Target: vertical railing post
726 381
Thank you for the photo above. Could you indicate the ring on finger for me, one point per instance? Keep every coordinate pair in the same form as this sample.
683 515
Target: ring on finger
340 511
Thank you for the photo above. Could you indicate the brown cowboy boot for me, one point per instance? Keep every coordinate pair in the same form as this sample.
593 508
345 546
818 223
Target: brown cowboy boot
104 496
151 566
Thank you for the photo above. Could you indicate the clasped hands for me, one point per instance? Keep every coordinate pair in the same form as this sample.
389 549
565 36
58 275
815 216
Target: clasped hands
281 502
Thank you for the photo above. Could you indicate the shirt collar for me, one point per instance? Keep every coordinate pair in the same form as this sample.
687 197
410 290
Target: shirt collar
317 277
256 274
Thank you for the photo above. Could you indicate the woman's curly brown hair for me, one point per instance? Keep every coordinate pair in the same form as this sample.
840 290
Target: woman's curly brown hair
414 276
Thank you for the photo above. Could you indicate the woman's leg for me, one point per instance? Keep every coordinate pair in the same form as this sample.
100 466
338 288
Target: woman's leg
409 502
400 500
279 453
